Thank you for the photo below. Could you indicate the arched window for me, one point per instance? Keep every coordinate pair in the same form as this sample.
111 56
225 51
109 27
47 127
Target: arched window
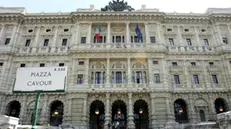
202 115
180 111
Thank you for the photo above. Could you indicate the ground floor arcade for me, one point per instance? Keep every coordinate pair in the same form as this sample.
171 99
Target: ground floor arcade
117 109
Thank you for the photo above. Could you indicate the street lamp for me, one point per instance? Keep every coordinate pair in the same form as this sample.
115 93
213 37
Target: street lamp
97 111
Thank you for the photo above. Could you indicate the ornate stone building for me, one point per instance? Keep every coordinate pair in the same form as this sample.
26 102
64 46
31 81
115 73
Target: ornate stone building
178 73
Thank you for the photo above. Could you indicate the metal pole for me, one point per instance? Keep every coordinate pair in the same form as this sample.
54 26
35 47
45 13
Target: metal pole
35 117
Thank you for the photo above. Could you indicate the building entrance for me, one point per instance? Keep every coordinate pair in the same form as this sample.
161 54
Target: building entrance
119 115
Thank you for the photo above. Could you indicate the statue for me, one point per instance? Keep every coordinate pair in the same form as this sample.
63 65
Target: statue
117 6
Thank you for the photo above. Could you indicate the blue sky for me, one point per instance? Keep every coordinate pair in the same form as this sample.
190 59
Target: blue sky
196 6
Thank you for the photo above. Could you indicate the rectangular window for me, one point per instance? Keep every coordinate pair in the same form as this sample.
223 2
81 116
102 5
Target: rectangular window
131 39
83 40
1 64
155 62
171 41
66 30
81 62
100 39
118 39
46 41
156 78
80 79
169 29
176 79
174 63
7 41
64 43
42 65
229 62
196 79
224 39
206 41
193 63
48 30
30 30
214 79
188 41
22 65
97 77
138 77
153 39
27 43
61 64
118 77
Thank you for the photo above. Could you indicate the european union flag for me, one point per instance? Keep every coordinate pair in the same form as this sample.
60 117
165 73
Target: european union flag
138 32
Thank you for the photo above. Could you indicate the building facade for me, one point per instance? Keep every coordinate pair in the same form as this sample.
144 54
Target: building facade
177 73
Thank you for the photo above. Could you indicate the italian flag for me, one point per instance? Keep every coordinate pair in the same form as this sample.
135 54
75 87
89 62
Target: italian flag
97 33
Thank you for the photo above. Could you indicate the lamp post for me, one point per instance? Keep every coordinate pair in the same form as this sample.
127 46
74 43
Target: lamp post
119 115
97 115
140 112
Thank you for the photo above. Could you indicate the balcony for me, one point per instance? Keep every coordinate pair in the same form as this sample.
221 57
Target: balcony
195 68
213 68
176 68
44 49
8 49
25 50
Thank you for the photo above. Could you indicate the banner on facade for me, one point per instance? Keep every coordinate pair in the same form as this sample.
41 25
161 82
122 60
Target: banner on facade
40 79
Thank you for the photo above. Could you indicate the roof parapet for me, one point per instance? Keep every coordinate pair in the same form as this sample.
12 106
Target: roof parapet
218 11
20 10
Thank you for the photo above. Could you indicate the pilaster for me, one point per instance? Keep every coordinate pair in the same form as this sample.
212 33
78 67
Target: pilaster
159 40
180 40
212 107
130 112
84 117
147 33
153 112
23 110
2 32
89 33
36 41
108 73
86 71
192 110
198 43
150 70
73 71
13 35
53 44
129 70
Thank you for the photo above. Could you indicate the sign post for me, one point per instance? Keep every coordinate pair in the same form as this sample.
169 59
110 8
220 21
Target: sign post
39 80
35 116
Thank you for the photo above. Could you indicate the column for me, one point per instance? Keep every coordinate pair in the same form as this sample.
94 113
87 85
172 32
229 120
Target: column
192 110
75 36
15 38
68 119
108 32
13 35
159 40
129 71
86 71
84 119
2 32
107 111
130 112
217 34
127 32
187 76
147 33
150 71
54 44
108 73
89 33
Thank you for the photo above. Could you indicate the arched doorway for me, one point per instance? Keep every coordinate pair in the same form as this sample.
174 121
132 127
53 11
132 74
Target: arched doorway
119 115
56 113
202 115
97 115
13 109
141 114
180 111
221 105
